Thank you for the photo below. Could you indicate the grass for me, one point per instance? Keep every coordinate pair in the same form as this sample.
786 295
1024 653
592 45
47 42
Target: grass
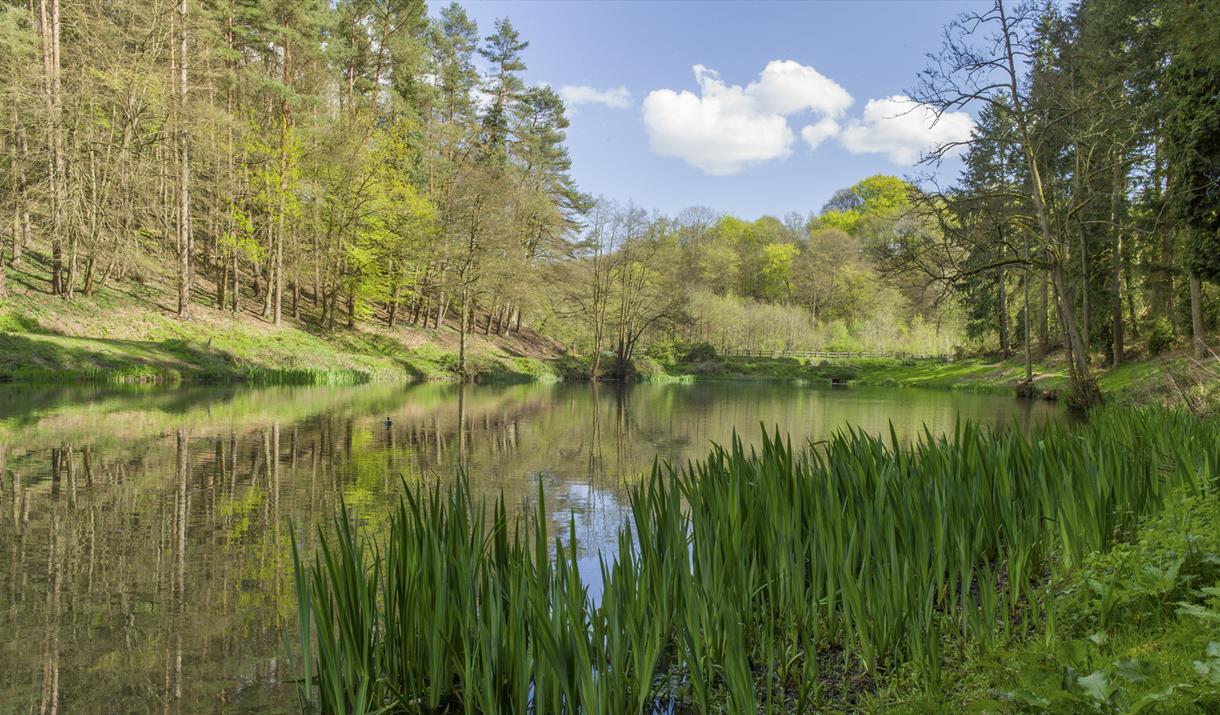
116 337
857 573
1173 379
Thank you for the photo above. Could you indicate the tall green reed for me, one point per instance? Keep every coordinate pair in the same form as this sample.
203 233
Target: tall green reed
737 576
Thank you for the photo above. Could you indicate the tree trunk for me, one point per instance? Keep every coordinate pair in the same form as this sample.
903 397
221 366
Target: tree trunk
90 263
462 333
1116 268
277 280
184 172
49 31
1085 392
222 283
351 308
1025 311
235 296
1129 289
1085 310
1044 309
1005 343
267 282
440 311
1116 328
1166 260
1196 316
277 248
421 307
21 210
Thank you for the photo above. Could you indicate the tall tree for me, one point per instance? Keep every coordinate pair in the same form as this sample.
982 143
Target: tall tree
184 166
979 68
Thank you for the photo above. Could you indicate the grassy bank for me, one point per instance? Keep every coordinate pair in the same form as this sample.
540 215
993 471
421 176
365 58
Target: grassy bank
1173 379
129 334
859 574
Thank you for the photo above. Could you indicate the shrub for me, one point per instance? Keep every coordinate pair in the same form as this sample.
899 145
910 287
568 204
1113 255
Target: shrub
700 352
707 368
666 352
475 365
1161 338
573 368
644 368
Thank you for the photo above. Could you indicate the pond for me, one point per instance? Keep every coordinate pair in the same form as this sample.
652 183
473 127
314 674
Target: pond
145 557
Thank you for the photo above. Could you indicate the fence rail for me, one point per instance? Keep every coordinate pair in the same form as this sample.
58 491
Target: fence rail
829 354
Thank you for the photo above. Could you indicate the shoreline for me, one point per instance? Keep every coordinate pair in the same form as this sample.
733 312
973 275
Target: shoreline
215 358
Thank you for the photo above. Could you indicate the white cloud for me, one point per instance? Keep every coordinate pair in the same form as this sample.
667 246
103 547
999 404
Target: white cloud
785 87
815 134
726 128
903 129
575 94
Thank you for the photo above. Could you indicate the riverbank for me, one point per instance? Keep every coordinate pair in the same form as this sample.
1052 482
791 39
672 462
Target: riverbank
1174 379
131 335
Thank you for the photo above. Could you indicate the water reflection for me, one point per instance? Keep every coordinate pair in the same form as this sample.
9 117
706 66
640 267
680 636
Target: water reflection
147 531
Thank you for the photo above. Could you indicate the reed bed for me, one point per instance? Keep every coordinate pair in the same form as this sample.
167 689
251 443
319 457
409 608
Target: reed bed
751 581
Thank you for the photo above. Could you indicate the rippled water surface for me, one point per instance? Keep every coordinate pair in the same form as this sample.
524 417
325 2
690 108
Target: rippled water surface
145 562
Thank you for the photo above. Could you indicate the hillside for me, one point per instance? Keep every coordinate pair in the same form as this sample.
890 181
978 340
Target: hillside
128 332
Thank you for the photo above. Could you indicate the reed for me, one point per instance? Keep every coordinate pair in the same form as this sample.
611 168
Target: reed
743 582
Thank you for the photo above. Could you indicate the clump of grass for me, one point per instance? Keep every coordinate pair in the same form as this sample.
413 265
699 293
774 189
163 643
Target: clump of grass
747 581
304 376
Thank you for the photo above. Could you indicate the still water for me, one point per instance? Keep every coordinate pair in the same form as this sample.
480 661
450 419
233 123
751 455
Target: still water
145 561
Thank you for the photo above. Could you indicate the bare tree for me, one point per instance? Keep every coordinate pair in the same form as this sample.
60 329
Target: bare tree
985 60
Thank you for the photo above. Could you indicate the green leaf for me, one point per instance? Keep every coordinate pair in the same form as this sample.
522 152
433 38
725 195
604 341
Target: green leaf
1151 699
1096 686
1029 698
1133 669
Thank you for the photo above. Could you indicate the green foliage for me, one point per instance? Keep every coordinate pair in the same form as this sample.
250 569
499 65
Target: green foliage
669 353
775 273
1161 337
700 352
573 368
743 575
1135 628
644 368
878 196
1192 133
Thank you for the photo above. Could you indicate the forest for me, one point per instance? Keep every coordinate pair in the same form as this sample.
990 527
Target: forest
361 161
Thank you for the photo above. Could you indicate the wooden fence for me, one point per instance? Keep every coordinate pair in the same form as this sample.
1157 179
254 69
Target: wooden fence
830 354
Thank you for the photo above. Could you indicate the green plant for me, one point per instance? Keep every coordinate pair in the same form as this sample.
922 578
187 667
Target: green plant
700 352
1161 337
738 574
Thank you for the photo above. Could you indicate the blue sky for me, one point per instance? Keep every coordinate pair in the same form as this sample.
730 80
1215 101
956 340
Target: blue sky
670 141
